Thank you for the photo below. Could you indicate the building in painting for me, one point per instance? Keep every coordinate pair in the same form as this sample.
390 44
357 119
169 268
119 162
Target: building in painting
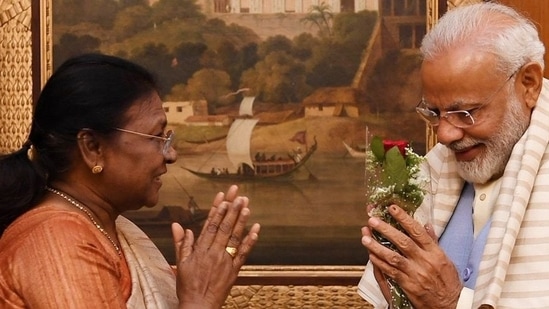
401 26
177 112
332 101
290 6
403 23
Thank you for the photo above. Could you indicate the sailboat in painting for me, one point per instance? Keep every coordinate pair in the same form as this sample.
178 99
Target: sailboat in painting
358 152
354 152
259 166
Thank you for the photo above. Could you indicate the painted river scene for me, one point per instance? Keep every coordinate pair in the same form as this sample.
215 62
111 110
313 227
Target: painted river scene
311 216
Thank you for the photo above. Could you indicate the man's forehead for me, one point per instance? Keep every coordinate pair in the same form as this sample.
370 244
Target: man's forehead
461 61
459 73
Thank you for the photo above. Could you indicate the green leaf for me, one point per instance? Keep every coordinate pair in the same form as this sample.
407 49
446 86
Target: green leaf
376 145
395 170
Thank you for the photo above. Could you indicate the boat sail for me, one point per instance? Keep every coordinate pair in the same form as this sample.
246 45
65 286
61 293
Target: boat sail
355 153
238 146
358 152
240 135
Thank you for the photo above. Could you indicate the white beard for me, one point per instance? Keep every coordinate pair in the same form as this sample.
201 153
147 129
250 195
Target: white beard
498 148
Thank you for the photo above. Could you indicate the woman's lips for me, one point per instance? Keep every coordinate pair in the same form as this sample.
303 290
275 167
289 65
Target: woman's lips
158 180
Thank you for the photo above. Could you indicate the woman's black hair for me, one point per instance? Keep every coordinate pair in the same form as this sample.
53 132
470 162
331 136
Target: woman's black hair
89 91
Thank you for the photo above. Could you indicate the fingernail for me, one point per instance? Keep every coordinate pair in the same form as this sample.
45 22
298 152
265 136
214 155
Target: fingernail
393 208
222 206
373 221
237 201
366 240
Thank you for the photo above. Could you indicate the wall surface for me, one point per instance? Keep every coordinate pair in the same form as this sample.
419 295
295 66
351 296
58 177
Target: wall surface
538 11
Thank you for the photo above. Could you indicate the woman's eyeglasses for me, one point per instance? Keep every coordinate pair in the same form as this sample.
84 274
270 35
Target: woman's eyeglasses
167 138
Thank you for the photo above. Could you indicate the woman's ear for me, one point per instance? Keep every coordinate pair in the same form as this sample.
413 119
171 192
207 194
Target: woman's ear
89 146
531 81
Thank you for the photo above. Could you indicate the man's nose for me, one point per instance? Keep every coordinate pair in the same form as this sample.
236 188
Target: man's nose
447 132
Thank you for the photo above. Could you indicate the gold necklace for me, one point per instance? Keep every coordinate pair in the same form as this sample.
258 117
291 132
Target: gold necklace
87 212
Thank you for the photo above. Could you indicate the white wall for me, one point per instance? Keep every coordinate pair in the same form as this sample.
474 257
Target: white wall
177 112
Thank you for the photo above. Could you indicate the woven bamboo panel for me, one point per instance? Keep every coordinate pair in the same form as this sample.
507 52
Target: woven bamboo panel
288 296
15 73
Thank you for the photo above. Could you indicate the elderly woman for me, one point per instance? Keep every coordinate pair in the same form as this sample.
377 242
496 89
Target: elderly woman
98 146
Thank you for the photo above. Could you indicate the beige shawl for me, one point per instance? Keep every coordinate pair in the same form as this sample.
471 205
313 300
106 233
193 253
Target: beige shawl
514 270
153 281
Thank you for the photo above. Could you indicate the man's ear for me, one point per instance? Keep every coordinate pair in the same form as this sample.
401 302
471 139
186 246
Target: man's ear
530 79
89 146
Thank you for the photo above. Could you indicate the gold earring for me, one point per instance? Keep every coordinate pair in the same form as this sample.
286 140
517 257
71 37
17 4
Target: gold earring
97 169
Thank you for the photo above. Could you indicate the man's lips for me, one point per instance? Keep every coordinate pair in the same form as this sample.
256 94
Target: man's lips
468 153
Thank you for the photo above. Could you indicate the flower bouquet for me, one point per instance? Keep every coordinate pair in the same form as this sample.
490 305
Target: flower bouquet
393 177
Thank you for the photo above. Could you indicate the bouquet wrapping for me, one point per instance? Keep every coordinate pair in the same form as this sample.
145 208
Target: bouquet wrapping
393 177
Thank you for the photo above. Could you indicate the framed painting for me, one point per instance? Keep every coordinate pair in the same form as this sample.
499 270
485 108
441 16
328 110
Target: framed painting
278 97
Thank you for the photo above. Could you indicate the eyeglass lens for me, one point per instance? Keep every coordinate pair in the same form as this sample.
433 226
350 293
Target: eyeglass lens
168 141
459 118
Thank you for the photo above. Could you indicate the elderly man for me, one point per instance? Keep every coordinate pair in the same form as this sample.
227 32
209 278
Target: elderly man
488 246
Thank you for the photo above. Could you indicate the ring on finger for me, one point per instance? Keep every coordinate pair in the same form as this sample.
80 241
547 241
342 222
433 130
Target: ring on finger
232 251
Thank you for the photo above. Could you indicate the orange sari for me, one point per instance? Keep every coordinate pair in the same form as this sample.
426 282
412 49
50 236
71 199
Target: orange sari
53 258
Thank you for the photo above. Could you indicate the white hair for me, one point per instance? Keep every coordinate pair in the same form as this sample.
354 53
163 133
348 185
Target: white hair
490 28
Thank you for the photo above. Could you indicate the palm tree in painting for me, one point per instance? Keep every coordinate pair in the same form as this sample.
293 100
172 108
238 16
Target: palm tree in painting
321 16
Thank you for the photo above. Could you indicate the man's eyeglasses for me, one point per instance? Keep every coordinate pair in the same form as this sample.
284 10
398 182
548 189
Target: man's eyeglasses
460 118
167 138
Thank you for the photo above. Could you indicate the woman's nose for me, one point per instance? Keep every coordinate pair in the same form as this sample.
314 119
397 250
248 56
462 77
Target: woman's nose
171 155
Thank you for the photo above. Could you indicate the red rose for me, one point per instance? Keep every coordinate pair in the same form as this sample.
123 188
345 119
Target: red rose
401 144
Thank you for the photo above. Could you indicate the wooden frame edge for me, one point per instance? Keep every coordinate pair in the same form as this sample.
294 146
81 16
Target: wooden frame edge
42 38
300 275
